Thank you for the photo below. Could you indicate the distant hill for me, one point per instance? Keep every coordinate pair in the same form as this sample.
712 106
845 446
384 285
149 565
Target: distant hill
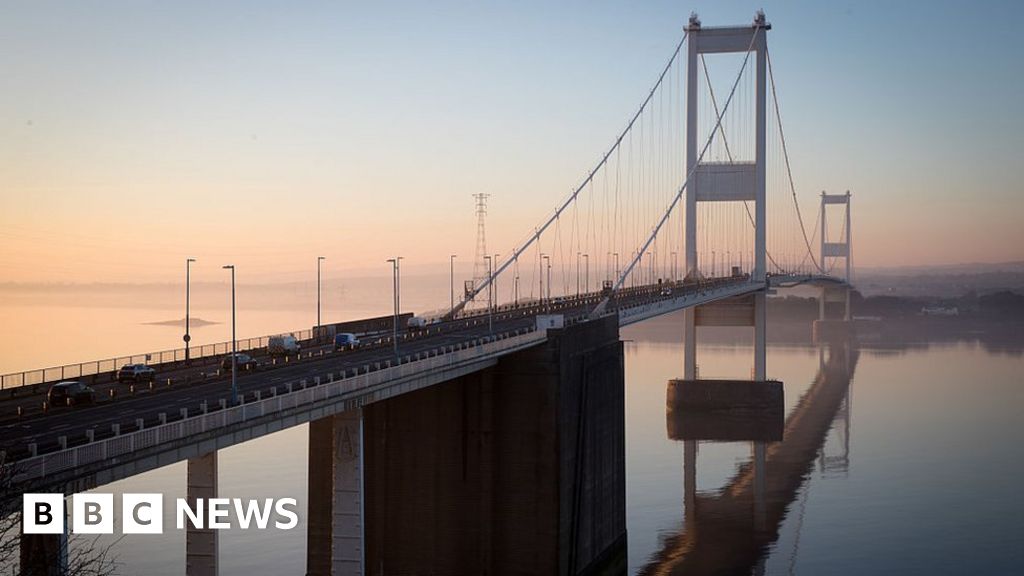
948 281
946 269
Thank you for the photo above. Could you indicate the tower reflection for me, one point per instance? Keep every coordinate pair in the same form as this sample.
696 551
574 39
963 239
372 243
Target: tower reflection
729 531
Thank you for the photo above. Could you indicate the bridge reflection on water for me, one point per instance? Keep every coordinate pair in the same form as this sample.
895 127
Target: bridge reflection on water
731 530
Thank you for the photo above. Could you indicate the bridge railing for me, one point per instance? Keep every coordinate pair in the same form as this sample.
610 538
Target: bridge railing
109 365
326 386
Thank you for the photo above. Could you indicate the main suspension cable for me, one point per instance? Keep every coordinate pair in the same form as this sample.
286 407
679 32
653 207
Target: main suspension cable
572 197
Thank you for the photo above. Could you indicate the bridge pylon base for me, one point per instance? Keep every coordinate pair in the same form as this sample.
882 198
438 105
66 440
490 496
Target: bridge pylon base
725 410
832 331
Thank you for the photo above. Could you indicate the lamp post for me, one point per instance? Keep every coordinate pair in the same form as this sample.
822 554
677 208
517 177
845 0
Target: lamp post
319 259
187 337
234 340
451 280
673 267
541 276
494 279
586 276
394 298
398 284
578 256
490 292
548 258
616 255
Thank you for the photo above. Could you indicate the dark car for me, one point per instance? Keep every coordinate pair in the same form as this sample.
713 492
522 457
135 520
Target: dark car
243 361
70 393
136 373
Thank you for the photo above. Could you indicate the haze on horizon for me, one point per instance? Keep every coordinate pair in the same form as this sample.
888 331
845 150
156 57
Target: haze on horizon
135 135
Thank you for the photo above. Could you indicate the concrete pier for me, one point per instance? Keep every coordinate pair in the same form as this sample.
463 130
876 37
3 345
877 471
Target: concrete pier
834 324
334 541
43 554
201 543
692 421
517 469
744 396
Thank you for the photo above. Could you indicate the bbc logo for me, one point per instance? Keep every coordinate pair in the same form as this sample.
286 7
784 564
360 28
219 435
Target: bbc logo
144 513
93 513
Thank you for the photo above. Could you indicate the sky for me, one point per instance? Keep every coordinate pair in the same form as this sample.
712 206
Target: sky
136 134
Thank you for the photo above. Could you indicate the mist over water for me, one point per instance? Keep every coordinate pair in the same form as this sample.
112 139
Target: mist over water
51 325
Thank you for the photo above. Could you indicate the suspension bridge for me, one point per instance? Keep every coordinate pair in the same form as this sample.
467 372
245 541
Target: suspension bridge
692 207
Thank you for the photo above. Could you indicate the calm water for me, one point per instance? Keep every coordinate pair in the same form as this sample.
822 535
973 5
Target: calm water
927 480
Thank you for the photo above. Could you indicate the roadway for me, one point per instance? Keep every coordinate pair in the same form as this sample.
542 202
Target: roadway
125 410
189 391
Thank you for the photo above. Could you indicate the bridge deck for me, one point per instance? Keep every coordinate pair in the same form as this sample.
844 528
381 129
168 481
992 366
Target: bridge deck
62 436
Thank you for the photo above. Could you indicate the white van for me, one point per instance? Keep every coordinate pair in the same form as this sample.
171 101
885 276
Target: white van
282 345
416 323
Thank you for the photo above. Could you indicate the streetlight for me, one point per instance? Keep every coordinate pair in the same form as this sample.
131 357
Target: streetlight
587 273
187 338
451 283
616 254
490 292
578 256
541 276
548 258
234 340
494 280
398 284
394 297
674 267
319 259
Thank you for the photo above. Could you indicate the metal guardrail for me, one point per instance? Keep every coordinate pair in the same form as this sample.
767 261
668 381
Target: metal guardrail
330 385
712 291
97 367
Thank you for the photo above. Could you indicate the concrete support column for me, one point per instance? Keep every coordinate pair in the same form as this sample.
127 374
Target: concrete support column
760 337
847 314
821 302
334 544
347 533
690 343
201 544
45 554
